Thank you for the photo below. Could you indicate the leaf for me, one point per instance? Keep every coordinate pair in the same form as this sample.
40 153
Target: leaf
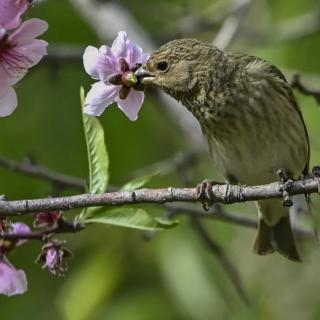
98 159
138 182
97 153
135 218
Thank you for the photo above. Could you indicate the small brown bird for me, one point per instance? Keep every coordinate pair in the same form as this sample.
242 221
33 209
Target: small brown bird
249 117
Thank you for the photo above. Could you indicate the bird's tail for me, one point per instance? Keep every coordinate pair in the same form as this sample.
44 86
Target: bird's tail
276 238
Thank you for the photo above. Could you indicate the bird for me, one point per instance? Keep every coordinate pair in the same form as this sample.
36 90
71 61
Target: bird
249 118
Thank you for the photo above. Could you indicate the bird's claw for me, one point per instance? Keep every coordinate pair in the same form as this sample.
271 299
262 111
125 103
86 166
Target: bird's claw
316 175
286 184
205 194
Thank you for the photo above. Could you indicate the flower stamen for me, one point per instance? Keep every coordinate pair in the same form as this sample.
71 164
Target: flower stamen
124 66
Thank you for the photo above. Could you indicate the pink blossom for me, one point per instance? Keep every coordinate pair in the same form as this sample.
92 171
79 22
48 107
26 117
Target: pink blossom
6 245
114 68
12 281
53 259
11 11
54 256
20 228
47 219
19 51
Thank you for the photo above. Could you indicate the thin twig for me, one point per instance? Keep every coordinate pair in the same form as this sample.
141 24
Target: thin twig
62 227
41 172
64 54
298 27
297 84
222 193
232 25
210 18
218 213
180 161
226 263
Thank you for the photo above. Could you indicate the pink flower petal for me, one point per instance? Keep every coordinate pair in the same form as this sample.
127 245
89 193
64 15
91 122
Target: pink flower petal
4 85
123 47
52 258
20 228
12 281
2 32
17 60
144 58
8 103
119 45
134 54
28 31
132 104
11 11
99 63
33 52
99 97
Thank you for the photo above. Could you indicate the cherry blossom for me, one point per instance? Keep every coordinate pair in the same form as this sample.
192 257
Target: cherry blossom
114 69
19 49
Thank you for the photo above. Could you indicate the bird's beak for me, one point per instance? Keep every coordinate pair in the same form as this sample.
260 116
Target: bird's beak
144 76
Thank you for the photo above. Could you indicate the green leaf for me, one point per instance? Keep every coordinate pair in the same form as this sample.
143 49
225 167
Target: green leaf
135 218
98 159
138 182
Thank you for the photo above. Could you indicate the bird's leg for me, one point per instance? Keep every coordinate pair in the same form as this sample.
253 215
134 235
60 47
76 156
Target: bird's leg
205 194
286 184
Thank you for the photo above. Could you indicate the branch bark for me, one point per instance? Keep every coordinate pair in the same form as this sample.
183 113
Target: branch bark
41 172
221 193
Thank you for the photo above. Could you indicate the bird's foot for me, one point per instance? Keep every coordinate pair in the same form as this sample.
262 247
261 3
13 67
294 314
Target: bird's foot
286 184
316 175
205 194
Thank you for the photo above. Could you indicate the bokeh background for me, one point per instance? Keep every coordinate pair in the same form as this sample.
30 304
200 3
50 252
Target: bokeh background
116 273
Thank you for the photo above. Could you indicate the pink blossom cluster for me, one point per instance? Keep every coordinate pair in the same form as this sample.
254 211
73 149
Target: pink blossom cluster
12 281
19 49
53 254
114 69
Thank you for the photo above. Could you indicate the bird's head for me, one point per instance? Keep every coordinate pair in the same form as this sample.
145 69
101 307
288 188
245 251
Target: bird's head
177 67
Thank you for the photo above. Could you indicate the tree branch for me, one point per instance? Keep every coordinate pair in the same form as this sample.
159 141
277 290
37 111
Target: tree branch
41 172
297 84
232 25
221 193
63 226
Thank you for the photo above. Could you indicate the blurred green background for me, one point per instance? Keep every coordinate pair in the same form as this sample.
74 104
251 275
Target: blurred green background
116 274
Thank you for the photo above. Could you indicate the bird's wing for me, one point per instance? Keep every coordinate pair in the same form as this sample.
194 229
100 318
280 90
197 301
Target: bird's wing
259 69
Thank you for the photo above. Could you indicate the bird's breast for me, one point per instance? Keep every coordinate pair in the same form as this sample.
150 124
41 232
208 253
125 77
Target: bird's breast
252 141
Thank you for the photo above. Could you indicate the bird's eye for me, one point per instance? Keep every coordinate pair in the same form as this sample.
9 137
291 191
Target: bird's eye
162 65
